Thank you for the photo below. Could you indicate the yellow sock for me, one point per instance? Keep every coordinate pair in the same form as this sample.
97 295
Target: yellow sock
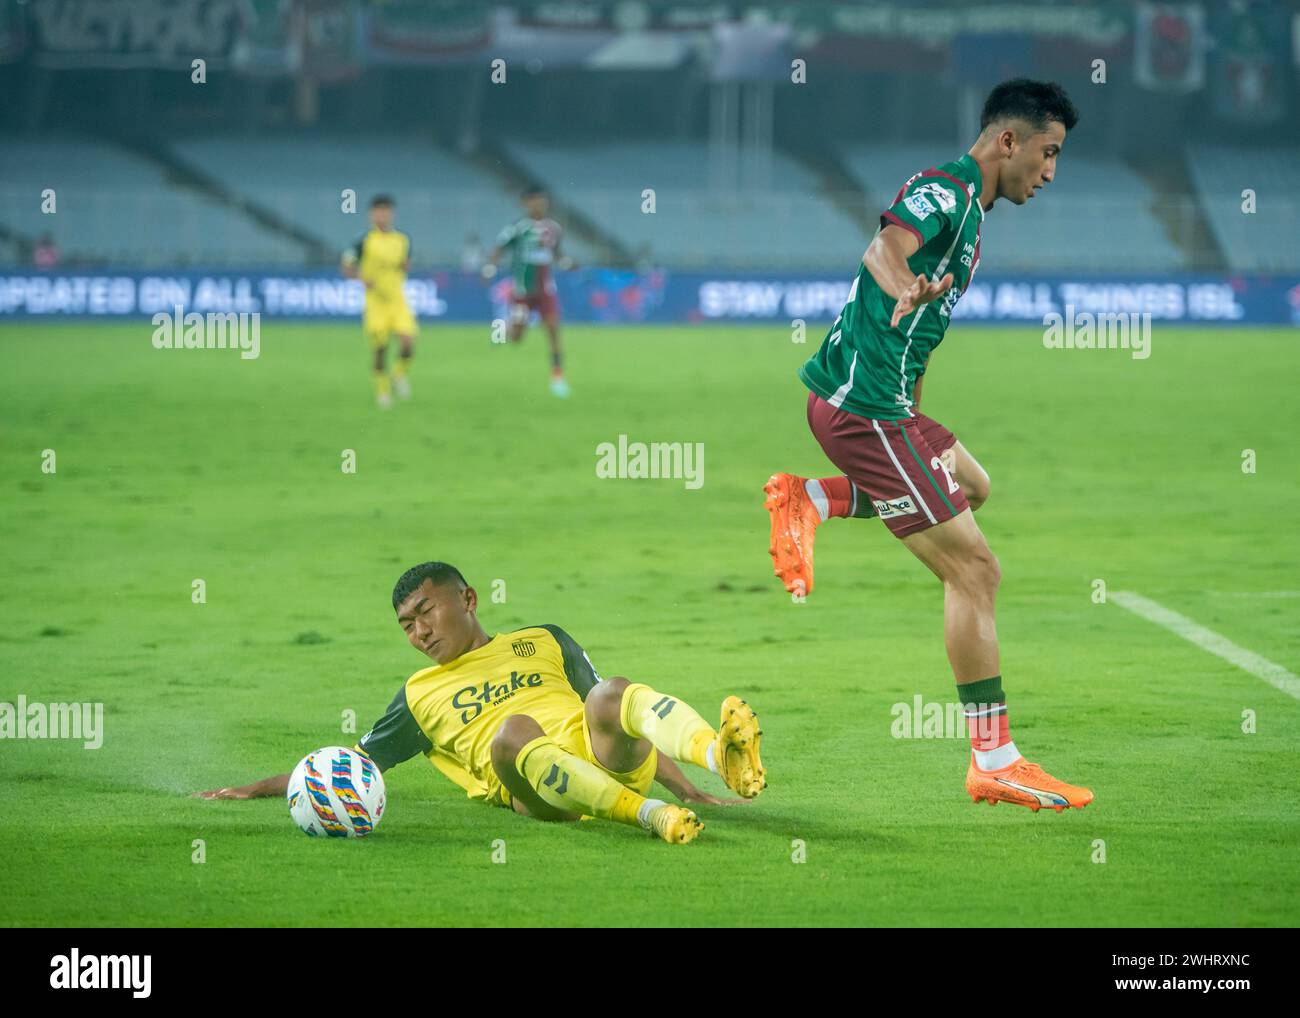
381 384
570 783
400 366
671 724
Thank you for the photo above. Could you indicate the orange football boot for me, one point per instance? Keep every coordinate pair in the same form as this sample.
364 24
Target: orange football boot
794 521
1025 784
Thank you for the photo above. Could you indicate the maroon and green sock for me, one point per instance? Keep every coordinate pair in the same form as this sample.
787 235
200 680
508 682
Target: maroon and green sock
984 706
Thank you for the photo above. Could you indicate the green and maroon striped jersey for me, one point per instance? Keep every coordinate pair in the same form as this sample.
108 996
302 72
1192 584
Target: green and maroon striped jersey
534 246
864 365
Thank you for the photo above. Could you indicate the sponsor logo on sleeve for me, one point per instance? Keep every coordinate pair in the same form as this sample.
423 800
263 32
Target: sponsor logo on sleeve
919 205
939 193
901 506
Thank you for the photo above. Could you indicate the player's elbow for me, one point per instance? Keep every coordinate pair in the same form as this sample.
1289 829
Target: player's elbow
891 246
871 256
881 255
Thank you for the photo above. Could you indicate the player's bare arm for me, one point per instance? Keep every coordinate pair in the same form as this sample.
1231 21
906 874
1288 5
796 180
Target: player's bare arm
886 260
668 774
267 787
563 261
350 269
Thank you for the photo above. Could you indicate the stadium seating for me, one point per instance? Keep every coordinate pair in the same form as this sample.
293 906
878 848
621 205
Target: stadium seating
441 198
1074 223
1265 241
698 222
114 207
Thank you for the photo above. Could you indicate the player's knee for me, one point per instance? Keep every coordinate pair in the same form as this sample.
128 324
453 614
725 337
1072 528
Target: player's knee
974 481
976 491
516 732
986 570
976 571
605 703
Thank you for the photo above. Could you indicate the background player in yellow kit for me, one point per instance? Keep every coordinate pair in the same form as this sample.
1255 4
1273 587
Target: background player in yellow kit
521 719
381 259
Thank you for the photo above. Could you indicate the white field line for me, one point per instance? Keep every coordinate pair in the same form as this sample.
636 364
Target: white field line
1208 640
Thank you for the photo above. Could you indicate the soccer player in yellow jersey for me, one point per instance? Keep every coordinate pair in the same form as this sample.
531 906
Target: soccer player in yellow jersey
381 259
522 720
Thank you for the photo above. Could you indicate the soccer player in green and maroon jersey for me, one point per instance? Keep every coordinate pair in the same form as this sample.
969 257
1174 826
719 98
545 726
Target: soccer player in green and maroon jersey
898 464
534 246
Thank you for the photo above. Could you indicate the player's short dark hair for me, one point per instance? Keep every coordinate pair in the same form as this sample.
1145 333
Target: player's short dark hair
532 190
410 581
383 201
1038 103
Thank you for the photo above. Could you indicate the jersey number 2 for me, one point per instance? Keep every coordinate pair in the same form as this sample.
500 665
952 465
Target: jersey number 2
937 464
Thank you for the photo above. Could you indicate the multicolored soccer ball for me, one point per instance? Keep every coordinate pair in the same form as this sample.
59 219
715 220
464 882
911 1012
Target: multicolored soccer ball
337 793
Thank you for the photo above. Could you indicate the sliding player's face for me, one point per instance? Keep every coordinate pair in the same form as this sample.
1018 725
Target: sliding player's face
381 217
1032 163
439 619
536 205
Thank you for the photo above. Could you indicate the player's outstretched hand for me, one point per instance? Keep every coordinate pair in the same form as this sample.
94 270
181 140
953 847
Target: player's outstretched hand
922 291
224 793
277 784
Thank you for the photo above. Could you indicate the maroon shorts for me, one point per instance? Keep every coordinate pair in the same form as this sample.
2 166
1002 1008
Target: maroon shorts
544 302
895 462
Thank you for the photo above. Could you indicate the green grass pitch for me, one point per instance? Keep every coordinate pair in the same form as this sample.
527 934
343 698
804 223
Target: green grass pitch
173 466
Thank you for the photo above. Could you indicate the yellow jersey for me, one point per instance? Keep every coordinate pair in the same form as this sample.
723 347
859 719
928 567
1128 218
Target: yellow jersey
381 257
450 713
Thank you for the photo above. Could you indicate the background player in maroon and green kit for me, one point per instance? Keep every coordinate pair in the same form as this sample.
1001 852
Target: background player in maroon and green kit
865 385
534 246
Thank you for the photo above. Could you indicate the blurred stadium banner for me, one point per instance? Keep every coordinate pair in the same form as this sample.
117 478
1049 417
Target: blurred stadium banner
617 295
260 37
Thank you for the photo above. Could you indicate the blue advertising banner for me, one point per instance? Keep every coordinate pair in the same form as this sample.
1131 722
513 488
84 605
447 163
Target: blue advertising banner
616 296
